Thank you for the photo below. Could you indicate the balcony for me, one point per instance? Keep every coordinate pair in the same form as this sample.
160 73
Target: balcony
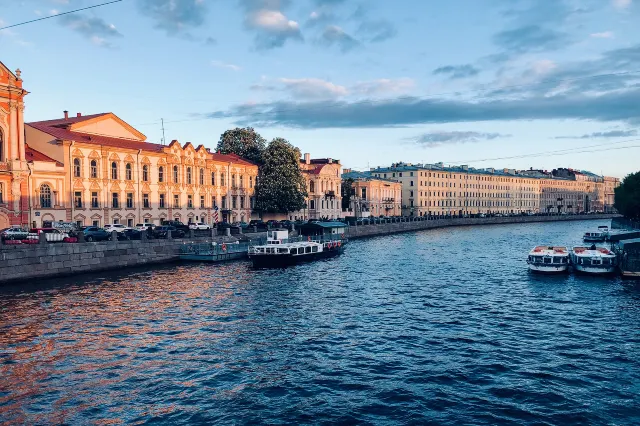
388 200
330 194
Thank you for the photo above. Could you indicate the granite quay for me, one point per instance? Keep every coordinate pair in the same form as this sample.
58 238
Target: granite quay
28 262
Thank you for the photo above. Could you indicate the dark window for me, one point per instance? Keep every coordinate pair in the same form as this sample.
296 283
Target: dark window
145 173
114 171
160 174
94 200
45 196
188 175
201 176
202 201
129 200
176 201
162 201
77 169
175 174
213 178
190 201
242 202
77 199
94 169
234 202
115 202
145 201
128 174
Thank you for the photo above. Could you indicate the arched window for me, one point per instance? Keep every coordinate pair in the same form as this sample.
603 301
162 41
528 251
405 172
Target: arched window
175 174
76 167
160 174
45 196
94 169
312 187
222 179
114 170
233 181
128 172
188 175
145 173
201 176
213 178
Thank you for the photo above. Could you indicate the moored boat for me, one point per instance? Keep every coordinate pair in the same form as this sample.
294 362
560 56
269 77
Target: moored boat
280 251
593 260
596 236
549 259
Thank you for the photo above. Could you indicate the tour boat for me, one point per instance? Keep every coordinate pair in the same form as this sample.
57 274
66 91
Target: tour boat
549 259
280 251
593 260
597 236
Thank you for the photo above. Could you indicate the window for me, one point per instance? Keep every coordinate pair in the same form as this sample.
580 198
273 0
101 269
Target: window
252 202
1 146
1 194
213 178
190 201
94 200
312 187
234 202
312 204
222 179
77 199
128 173
201 176
241 181
175 174
94 169
160 174
161 201
115 201
116 221
176 201
145 201
114 171
145 173
250 181
96 223
77 169
202 201
242 202
188 175
224 202
129 200
213 202
130 223
45 196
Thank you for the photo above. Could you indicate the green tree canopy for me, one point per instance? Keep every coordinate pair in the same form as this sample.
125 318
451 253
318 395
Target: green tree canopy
281 187
348 191
246 143
627 196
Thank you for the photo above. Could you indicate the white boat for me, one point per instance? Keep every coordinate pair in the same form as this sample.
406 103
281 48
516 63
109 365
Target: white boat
596 236
593 260
280 251
549 259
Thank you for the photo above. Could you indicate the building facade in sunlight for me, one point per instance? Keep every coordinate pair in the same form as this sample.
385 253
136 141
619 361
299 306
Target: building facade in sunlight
437 190
374 196
110 174
323 179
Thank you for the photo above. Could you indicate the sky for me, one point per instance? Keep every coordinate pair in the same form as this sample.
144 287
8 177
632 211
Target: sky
488 83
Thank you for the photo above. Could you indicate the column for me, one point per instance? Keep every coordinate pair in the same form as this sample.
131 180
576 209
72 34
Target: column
21 141
13 131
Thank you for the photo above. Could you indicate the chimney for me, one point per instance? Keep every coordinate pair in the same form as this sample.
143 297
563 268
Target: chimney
66 115
307 158
329 160
79 115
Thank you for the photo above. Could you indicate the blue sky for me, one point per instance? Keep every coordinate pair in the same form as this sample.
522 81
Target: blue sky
367 81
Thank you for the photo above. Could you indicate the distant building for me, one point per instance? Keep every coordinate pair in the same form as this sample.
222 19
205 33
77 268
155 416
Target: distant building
374 196
610 184
323 185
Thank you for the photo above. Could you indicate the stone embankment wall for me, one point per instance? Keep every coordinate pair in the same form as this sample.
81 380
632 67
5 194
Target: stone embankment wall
365 231
30 262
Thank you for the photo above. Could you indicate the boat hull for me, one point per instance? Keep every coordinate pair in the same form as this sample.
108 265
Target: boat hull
595 270
264 261
549 269
594 239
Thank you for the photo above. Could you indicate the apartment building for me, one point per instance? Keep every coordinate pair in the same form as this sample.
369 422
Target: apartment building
323 177
374 196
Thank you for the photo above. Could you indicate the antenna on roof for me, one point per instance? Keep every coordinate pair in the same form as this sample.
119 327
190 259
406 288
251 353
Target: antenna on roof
163 139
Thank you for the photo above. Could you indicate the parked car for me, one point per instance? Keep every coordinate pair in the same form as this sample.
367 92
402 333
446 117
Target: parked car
176 224
273 223
52 235
118 227
286 223
143 226
161 232
93 233
199 226
260 225
130 234
14 233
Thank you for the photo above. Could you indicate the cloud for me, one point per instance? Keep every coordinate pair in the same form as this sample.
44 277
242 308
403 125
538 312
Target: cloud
376 31
210 41
530 38
434 139
621 4
457 71
336 36
224 65
92 28
175 17
609 134
273 29
408 111
605 34
315 88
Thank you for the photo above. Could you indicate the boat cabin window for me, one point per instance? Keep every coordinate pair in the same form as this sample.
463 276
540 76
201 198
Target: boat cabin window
538 259
547 260
596 262
307 249
314 249
557 259
283 250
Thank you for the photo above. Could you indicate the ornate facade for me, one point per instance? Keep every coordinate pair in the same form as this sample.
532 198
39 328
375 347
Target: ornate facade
13 163
374 196
323 176
110 174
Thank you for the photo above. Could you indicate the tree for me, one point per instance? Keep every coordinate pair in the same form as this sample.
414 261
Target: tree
348 191
281 187
627 196
246 143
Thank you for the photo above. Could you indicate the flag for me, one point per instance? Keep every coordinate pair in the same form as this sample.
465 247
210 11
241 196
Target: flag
215 214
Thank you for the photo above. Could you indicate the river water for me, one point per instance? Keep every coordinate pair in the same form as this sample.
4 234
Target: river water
440 326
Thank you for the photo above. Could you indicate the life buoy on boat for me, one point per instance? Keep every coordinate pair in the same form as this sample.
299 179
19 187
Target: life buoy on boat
224 247
339 243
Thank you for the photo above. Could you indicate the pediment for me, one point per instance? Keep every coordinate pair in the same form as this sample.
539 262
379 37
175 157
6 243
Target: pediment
108 125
